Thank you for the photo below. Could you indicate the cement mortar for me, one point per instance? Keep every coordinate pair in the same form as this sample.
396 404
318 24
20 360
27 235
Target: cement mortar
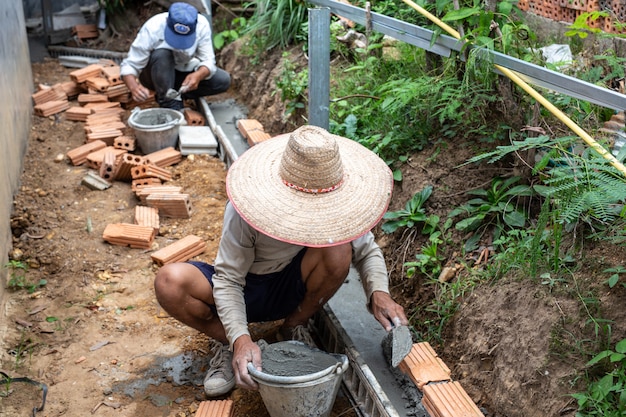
291 359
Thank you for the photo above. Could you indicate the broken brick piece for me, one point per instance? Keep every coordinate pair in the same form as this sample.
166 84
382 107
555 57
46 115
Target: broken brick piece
126 234
423 365
171 205
252 131
147 216
78 156
164 157
449 399
180 251
215 408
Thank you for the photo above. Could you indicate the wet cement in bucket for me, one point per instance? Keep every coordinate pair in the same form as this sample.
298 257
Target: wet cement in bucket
154 118
290 359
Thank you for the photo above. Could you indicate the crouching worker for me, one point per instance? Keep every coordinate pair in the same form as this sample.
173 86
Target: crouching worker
173 52
301 209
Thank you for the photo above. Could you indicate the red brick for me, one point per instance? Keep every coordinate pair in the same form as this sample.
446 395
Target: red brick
449 399
150 170
125 142
194 118
147 216
180 251
78 156
215 408
252 131
423 365
164 157
125 165
80 75
126 234
143 192
140 184
171 205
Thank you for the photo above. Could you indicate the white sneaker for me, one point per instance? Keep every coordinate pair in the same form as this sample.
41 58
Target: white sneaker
220 378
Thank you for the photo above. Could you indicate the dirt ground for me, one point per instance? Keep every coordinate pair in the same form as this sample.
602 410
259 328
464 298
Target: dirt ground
96 337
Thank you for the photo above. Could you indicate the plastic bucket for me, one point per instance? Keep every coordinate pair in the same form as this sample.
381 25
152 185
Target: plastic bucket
310 384
156 129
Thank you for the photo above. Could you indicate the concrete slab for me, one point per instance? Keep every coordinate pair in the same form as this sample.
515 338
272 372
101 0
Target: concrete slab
197 140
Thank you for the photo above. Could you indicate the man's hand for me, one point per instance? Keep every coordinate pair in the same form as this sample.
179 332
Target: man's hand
138 91
386 311
192 80
245 351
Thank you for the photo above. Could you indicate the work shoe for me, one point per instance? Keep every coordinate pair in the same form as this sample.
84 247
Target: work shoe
220 378
299 333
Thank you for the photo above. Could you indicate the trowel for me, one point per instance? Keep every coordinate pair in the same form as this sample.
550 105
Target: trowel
397 344
176 95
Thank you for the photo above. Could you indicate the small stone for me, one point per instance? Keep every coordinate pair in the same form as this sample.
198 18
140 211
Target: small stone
59 158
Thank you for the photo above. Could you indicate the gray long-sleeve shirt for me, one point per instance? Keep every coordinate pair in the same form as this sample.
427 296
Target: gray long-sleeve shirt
151 36
243 249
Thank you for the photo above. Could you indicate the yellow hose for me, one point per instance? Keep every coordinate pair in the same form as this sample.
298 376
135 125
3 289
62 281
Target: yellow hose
517 80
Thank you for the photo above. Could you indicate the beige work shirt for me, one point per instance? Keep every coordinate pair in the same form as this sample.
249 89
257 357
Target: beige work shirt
243 249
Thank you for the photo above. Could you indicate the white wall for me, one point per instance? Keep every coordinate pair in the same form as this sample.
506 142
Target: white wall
16 87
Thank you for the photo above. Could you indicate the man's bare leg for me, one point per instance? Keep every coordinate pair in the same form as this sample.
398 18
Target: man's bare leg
185 293
323 272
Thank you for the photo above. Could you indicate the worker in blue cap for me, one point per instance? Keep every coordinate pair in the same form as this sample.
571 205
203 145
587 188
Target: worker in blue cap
173 51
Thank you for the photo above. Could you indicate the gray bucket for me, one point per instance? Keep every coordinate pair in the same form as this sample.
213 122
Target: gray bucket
298 380
155 129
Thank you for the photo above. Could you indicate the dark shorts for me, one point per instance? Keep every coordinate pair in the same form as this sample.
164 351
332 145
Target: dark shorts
268 297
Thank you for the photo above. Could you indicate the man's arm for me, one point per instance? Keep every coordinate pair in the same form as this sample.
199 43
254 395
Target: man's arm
370 264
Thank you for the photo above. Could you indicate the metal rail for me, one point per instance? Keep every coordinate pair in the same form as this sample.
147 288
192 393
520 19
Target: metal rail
443 45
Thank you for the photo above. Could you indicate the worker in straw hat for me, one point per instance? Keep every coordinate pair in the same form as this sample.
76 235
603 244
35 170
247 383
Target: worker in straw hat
173 53
300 212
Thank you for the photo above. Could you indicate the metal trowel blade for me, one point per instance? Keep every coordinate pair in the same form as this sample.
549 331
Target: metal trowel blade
401 344
172 94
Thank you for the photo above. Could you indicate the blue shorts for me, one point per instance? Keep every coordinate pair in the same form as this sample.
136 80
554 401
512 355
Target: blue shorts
268 297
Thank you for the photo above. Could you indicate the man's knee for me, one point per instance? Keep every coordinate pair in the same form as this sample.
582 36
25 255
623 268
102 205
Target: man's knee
167 279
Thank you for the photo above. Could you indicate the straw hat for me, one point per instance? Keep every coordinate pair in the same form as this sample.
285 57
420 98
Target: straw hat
310 188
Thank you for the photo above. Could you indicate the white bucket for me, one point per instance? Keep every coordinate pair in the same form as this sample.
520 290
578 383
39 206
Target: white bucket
155 129
307 391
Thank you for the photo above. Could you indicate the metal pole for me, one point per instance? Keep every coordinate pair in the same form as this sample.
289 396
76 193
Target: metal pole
319 66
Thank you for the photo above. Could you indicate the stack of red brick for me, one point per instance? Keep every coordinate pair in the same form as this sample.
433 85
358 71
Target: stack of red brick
442 397
569 10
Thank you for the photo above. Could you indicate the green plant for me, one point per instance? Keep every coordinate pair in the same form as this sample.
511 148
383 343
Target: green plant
18 278
412 214
292 84
495 206
227 36
277 23
615 276
606 396
429 260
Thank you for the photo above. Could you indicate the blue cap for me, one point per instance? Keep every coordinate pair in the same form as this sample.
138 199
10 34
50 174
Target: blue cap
180 31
